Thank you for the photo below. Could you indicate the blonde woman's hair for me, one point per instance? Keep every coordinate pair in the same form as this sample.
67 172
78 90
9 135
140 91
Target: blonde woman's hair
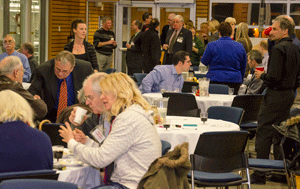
13 107
125 90
242 33
214 24
230 20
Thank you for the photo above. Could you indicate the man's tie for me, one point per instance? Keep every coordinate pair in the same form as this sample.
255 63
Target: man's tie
172 42
63 97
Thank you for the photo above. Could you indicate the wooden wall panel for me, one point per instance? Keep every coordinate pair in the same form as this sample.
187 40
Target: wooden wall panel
61 14
202 9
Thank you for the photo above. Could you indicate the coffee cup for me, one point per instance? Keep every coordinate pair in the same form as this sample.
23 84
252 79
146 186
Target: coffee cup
79 115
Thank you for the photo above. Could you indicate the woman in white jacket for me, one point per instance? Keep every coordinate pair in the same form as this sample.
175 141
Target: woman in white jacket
133 142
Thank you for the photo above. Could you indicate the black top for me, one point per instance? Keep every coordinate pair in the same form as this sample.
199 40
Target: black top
102 35
283 67
81 56
90 53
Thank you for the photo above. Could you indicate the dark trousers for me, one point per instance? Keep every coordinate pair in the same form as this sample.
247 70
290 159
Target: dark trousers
168 59
274 109
131 71
235 86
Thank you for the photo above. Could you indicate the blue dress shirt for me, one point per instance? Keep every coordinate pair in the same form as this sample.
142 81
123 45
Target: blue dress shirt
24 60
161 76
227 60
70 88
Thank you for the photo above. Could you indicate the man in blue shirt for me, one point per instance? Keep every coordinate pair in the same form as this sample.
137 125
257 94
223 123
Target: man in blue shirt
167 75
9 45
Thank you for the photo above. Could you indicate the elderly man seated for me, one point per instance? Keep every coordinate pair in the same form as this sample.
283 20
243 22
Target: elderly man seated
11 76
167 75
253 84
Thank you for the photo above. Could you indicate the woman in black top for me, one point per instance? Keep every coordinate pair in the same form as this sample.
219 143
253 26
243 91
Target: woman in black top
80 47
151 46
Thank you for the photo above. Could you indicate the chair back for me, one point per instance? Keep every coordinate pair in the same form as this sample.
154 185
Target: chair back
187 86
51 129
36 183
110 70
139 77
35 174
220 152
199 75
218 89
165 146
232 114
251 105
182 104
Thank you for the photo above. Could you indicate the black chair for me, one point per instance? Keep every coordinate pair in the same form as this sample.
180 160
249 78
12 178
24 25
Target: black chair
182 104
51 129
36 183
218 89
110 70
216 156
232 114
187 86
251 105
139 77
35 174
165 146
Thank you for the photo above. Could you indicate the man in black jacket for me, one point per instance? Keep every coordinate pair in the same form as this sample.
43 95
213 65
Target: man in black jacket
166 28
134 55
178 39
281 81
63 70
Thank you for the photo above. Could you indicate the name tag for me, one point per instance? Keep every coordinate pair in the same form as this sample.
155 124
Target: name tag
194 44
179 40
132 43
98 135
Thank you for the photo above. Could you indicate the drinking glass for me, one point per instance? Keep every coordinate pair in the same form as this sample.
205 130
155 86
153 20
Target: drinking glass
58 151
204 116
230 91
194 89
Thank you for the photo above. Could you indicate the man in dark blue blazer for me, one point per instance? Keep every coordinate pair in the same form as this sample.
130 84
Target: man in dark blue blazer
178 39
50 75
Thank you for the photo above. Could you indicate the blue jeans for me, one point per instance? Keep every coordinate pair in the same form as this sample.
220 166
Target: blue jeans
113 185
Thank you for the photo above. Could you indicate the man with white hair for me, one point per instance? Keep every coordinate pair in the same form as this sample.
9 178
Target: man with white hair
9 45
178 39
11 76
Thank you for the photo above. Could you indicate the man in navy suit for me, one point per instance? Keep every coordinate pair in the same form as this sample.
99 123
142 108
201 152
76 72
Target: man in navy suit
178 39
50 76
166 28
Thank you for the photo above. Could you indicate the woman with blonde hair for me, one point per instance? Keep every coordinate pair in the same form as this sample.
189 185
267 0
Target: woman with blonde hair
18 136
243 37
232 23
133 142
213 28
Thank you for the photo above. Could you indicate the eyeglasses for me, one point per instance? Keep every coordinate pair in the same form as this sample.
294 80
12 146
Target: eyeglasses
90 98
9 41
63 71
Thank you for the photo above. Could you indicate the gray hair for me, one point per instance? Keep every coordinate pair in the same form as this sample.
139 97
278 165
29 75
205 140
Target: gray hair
105 18
291 20
28 46
9 64
179 17
95 79
65 57
13 107
285 23
255 55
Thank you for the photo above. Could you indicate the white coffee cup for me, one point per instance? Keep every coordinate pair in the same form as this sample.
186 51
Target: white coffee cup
112 38
79 115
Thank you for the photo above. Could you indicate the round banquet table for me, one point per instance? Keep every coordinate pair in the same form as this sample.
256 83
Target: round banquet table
203 102
190 134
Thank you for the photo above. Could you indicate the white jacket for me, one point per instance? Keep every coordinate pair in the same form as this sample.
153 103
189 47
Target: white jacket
133 144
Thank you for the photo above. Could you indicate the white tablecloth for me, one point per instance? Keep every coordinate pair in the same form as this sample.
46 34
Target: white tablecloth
203 102
177 136
84 176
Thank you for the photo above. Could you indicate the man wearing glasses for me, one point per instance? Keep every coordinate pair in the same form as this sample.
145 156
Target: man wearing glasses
9 45
58 80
